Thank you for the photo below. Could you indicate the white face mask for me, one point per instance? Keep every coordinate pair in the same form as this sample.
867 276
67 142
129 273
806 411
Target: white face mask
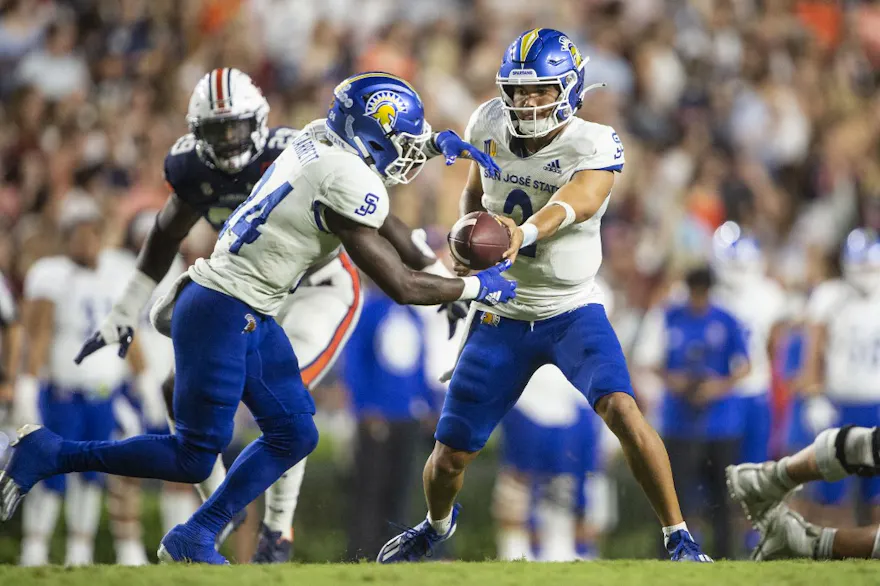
537 126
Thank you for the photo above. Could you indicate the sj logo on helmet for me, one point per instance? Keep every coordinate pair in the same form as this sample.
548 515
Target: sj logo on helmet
383 107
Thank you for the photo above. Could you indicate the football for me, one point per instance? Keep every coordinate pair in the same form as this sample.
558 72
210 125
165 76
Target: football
478 240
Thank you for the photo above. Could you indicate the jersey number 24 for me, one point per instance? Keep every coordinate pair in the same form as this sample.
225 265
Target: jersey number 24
247 224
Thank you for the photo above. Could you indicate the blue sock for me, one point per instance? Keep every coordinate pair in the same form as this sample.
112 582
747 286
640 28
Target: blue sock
258 466
164 457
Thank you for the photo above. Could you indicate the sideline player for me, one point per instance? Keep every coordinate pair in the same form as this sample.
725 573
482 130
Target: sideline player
557 174
761 489
64 297
760 306
327 188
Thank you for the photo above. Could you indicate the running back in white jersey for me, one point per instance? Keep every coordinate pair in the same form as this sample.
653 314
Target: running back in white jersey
758 304
852 351
270 241
557 273
81 296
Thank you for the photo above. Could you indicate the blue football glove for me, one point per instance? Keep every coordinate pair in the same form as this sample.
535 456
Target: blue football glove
494 288
455 312
452 147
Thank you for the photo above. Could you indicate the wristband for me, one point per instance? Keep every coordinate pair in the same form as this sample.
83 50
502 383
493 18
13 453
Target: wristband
530 234
570 215
471 288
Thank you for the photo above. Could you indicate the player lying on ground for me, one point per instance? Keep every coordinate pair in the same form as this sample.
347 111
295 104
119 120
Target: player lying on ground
761 489
327 188
558 172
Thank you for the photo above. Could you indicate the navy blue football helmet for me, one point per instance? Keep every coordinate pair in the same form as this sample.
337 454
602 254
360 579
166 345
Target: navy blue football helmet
381 118
538 57
861 260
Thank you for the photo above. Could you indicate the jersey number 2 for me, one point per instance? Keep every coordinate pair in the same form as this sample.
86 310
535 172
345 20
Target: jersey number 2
246 227
520 199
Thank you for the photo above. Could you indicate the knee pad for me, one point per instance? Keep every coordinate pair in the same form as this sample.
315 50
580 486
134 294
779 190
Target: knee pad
511 499
195 462
875 551
847 450
294 435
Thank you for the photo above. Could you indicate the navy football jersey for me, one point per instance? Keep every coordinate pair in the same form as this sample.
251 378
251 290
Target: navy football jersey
215 193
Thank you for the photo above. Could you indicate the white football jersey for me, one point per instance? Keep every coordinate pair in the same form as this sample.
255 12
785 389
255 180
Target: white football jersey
557 274
852 352
279 231
758 304
82 297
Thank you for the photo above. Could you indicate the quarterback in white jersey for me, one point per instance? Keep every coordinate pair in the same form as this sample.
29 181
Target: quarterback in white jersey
327 188
557 172
760 305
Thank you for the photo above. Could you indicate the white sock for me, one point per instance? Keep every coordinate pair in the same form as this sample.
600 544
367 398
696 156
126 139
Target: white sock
34 551
39 516
83 512
83 506
177 507
213 482
441 526
556 527
281 499
668 531
514 544
80 551
130 552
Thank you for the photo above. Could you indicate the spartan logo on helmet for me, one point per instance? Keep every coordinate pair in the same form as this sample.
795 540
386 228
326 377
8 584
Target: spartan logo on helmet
567 45
383 107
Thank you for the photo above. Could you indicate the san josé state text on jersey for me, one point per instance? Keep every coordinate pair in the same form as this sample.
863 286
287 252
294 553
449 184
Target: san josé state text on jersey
556 274
215 193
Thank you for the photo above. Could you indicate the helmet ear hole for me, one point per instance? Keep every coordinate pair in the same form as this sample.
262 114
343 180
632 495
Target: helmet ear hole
375 145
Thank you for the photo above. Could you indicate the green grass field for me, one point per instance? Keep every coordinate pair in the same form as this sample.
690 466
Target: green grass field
613 573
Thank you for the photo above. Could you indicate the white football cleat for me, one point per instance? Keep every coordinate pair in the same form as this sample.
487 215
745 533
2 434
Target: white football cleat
757 488
786 535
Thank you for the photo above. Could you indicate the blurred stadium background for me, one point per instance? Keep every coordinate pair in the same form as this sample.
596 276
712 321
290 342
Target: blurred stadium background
758 111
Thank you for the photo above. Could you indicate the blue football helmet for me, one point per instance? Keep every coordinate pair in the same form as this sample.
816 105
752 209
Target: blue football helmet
538 57
736 256
861 260
380 118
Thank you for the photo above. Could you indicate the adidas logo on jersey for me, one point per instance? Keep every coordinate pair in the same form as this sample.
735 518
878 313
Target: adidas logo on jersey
553 166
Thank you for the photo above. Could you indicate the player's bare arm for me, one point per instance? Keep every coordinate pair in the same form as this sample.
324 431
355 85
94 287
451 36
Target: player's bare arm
575 202
38 318
173 223
10 338
472 194
401 238
378 258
